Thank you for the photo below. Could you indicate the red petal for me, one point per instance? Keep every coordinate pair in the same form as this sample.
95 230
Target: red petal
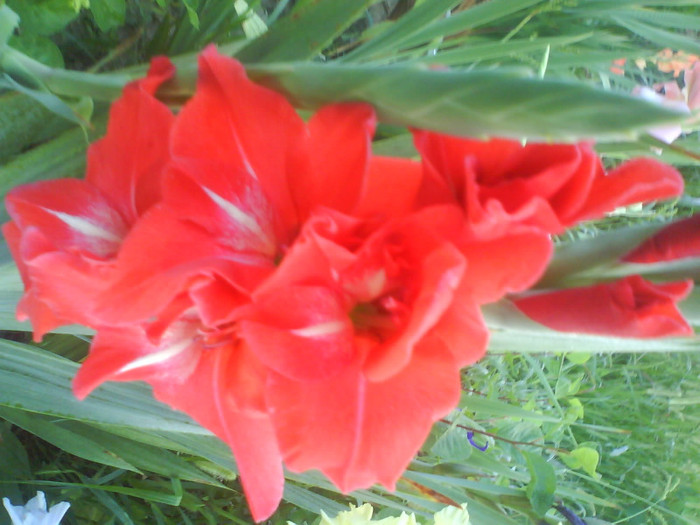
207 396
426 390
234 122
340 138
343 425
390 188
676 241
505 264
208 385
73 214
127 163
301 332
160 259
637 180
126 354
462 330
436 276
630 307
316 421
229 204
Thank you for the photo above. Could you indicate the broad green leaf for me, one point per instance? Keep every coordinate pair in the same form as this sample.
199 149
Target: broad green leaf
305 32
479 103
45 98
578 358
38 47
543 482
44 17
108 14
130 405
584 458
656 17
306 499
22 123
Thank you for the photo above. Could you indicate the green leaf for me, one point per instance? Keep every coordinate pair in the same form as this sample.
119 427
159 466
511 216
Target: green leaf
452 446
480 103
108 14
44 17
496 50
191 7
583 254
495 408
38 47
305 32
543 483
578 358
49 429
584 458
658 36
476 16
396 33
50 376
8 23
45 98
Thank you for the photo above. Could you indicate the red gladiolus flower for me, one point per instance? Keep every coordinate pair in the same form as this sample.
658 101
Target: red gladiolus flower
676 241
550 186
351 326
74 228
630 307
231 211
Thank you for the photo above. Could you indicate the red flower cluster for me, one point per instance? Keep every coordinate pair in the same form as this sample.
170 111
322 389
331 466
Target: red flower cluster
305 300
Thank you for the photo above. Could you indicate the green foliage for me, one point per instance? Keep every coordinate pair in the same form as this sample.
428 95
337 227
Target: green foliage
550 414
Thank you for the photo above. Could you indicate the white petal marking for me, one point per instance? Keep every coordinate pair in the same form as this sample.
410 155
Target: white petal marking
85 227
156 357
239 216
320 330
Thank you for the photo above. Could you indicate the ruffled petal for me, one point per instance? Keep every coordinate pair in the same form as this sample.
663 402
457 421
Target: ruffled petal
507 263
426 390
638 180
342 425
301 332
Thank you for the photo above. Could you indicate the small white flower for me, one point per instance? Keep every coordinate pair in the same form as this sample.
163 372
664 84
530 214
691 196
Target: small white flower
35 513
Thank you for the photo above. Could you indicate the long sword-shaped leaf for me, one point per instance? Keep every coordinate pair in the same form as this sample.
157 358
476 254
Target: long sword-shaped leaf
398 32
305 32
38 381
506 103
